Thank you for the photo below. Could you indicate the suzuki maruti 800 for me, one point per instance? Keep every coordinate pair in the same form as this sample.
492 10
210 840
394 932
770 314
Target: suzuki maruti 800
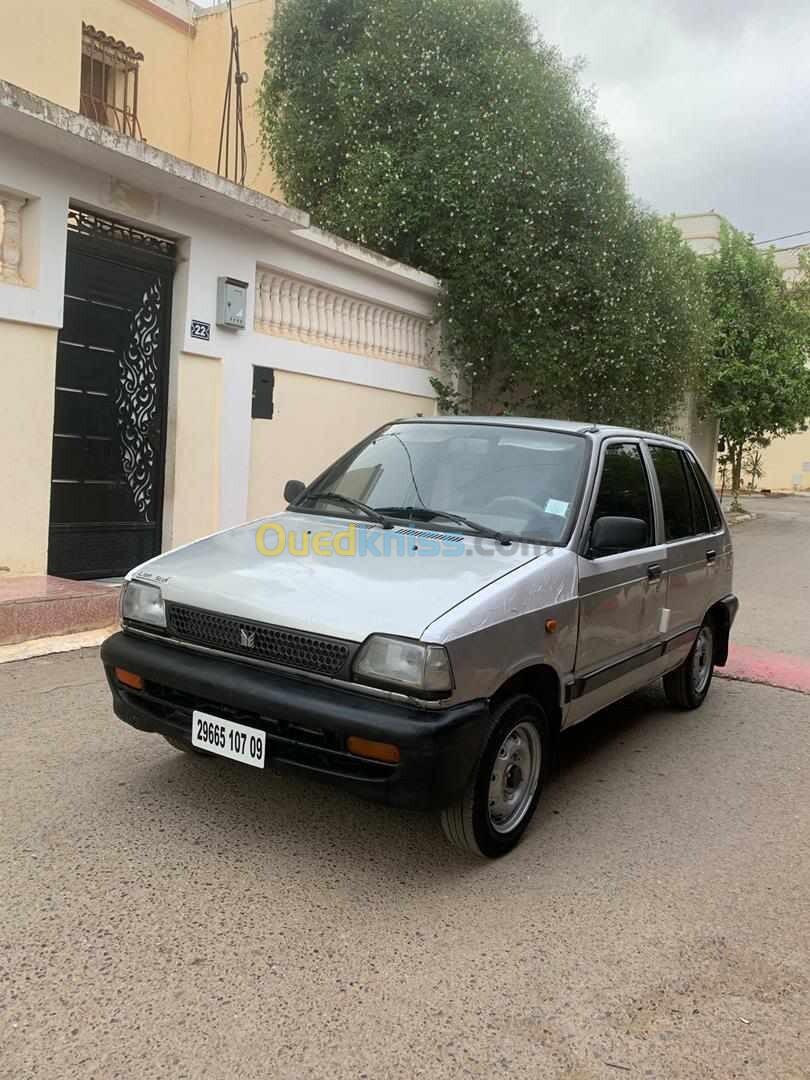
426 617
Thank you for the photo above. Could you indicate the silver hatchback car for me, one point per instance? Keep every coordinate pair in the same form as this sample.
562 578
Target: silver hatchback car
426 617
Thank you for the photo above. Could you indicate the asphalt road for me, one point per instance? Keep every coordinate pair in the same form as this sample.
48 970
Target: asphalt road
772 568
173 917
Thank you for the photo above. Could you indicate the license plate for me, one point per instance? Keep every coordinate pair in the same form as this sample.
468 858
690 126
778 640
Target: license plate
230 740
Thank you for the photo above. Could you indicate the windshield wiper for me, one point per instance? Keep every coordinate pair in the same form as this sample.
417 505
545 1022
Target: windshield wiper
424 513
355 504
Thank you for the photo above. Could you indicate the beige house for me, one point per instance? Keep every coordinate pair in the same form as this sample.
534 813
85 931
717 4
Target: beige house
786 462
175 342
702 233
172 65
174 345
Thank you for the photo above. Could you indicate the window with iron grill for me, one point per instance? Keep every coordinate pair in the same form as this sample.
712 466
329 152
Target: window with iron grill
109 91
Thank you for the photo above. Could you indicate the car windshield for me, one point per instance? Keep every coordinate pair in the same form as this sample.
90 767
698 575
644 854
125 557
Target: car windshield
522 482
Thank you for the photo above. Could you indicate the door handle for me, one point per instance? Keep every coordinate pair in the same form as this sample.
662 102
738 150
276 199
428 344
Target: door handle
655 572
711 556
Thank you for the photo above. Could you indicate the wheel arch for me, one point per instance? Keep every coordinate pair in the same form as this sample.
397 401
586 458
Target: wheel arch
543 683
720 617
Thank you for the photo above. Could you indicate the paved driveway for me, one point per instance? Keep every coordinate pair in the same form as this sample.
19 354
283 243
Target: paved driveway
167 916
772 567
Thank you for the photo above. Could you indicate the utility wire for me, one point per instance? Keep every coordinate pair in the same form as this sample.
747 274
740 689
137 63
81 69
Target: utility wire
787 236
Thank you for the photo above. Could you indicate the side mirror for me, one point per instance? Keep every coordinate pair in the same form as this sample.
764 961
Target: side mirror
294 488
613 535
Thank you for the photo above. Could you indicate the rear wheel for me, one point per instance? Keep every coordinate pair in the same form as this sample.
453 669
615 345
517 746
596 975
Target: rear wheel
687 686
500 800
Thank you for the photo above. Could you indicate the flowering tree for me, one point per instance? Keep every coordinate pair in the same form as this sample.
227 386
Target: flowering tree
447 134
758 380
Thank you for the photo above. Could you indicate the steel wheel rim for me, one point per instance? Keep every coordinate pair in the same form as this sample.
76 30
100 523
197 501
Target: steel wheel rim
514 777
702 660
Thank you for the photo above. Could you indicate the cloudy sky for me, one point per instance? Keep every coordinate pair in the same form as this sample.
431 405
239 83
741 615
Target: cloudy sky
709 99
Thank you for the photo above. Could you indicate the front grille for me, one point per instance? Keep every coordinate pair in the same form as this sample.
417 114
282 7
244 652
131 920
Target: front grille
276 644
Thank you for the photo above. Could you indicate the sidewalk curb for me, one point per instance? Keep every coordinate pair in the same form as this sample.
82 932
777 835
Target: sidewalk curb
27 650
753 665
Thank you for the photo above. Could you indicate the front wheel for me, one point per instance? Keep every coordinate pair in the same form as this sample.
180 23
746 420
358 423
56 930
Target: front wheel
687 686
500 800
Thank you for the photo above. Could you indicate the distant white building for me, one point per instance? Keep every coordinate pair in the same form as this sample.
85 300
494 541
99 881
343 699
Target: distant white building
786 462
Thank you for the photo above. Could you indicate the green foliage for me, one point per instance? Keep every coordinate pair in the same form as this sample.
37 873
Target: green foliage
752 464
447 134
758 381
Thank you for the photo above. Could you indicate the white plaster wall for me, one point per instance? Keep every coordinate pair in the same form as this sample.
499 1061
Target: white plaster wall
217 250
211 246
44 221
314 422
701 433
701 231
787 259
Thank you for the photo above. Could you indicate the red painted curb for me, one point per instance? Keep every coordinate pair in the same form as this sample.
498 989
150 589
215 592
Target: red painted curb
749 664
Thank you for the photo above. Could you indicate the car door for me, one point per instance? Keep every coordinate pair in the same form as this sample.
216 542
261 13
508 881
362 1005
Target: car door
621 595
691 546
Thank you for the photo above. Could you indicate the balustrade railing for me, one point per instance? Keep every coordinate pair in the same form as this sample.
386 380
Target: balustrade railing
294 308
11 207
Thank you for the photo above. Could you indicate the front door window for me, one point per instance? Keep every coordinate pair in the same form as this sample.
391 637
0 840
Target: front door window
624 490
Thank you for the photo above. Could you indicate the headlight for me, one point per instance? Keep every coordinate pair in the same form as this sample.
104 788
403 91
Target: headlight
400 664
143 603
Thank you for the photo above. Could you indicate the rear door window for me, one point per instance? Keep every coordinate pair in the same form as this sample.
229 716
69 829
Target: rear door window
675 494
700 516
709 497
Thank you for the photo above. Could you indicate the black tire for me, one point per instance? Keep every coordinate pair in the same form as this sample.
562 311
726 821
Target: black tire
469 824
183 746
687 686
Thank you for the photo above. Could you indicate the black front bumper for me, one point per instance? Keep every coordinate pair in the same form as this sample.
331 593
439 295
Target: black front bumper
307 722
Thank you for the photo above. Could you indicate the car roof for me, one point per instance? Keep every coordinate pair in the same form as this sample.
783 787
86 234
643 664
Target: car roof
571 427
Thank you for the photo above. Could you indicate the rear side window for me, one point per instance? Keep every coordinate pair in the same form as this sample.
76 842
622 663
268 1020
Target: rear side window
624 490
700 518
709 498
676 497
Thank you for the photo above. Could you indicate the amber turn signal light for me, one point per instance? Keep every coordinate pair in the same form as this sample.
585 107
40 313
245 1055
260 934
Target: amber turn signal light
377 751
129 678
551 626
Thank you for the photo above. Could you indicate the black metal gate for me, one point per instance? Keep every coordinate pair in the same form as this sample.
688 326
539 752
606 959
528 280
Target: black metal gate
110 405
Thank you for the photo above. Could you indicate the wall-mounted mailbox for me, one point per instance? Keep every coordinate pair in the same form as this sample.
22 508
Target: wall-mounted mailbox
232 303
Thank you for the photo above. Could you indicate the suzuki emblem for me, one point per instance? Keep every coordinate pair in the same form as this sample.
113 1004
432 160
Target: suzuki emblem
247 638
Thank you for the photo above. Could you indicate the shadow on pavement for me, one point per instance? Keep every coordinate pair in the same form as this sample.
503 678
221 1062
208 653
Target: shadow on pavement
251 816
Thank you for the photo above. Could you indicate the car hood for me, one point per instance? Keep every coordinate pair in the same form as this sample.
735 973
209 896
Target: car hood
395 581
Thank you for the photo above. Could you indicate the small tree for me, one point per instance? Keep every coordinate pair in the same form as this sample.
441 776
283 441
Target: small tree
758 380
752 463
723 466
448 134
